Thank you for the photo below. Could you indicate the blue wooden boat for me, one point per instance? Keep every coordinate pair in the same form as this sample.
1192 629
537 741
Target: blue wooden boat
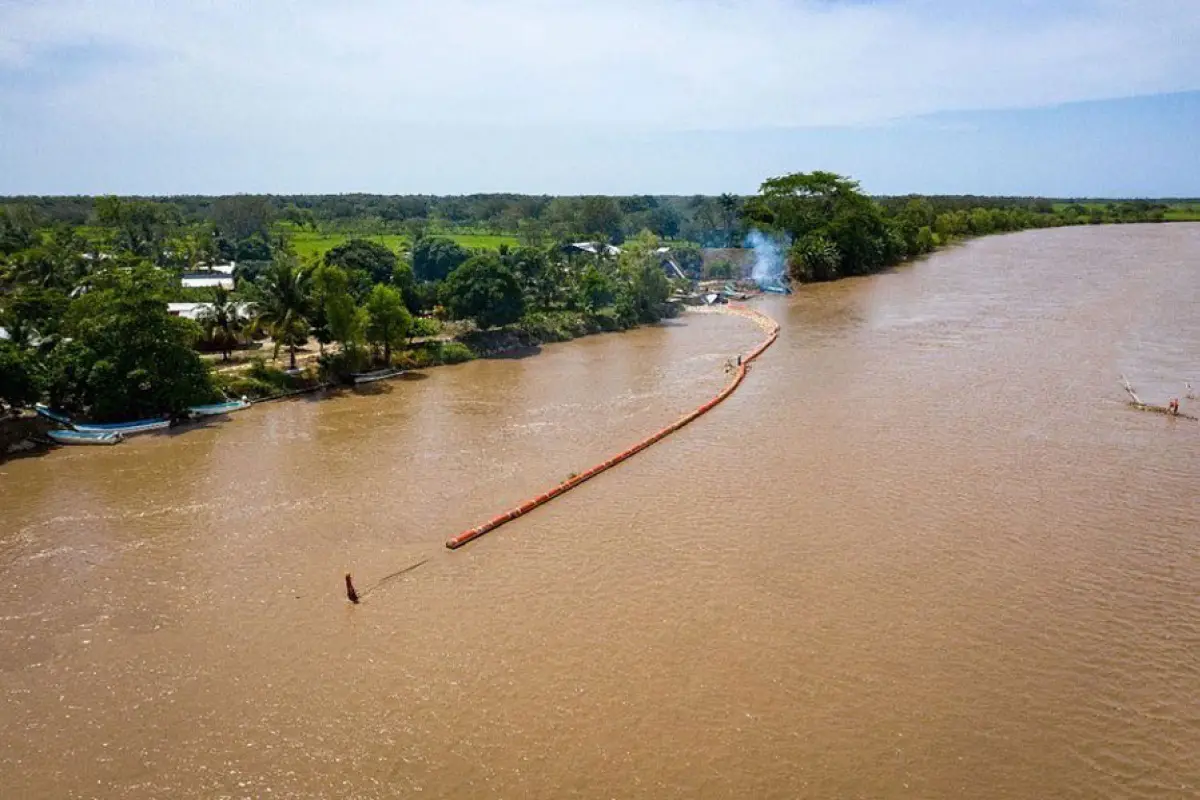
125 428
216 409
83 437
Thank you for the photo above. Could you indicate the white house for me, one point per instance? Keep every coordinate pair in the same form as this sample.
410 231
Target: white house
592 247
207 280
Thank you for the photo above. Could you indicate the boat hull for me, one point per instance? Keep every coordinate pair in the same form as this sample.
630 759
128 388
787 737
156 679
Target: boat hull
126 428
371 377
217 409
79 437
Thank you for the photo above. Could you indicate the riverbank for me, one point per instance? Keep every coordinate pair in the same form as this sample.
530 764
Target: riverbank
261 382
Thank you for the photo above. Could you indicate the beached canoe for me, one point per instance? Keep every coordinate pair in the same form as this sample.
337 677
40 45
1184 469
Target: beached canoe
377 375
82 437
216 409
124 428
127 428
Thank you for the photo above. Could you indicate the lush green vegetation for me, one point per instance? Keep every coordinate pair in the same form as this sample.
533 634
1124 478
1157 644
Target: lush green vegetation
87 326
832 230
85 282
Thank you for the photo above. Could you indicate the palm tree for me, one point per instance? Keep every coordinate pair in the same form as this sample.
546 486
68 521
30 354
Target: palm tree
285 303
222 322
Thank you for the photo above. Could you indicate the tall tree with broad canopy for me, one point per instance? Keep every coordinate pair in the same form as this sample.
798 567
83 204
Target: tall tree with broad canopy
377 261
126 357
433 258
485 290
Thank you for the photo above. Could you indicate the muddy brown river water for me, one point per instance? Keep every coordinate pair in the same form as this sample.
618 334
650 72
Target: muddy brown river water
924 551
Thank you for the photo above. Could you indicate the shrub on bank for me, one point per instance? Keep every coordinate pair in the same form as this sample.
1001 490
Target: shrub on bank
261 380
425 326
557 326
432 354
455 352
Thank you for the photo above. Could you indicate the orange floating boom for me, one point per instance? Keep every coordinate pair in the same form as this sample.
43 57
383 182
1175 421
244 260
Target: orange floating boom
766 322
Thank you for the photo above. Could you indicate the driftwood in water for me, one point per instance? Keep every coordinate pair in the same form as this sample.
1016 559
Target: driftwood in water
1162 410
1136 402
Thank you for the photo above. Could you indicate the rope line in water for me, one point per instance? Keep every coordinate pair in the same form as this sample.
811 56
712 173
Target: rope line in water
758 317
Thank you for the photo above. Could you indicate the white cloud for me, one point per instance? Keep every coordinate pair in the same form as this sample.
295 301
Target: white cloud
217 65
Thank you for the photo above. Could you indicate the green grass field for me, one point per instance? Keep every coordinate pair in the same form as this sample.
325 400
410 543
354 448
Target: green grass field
1183 212
313 243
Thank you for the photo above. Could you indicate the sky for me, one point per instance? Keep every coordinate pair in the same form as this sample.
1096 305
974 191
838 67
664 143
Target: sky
1064 98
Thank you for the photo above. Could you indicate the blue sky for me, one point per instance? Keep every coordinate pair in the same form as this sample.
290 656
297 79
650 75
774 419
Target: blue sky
1065 98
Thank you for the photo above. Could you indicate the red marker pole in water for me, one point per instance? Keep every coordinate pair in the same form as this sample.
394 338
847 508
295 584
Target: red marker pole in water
350 593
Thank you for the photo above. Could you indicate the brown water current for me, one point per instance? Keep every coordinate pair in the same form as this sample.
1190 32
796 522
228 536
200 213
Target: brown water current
924 551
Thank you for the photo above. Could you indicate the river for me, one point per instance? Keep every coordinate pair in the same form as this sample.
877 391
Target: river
924 551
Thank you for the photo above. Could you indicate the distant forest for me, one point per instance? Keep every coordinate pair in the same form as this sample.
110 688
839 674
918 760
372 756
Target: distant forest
705 220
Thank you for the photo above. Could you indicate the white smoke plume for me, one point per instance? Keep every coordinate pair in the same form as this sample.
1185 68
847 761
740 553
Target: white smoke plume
769 261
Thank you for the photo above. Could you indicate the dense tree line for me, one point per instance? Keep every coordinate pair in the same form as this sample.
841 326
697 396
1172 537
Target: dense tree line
84 282
87 328
833 230
244 222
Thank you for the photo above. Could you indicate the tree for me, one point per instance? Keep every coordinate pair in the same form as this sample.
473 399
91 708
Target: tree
799 203
126 357
538 276
406 282
596 289
222 322
284 303
531 232
33 315
253 248
600 216
433 258
814 258
19 385
377 261
485 290
829 206
140 227
644 284
241 216
730 206
388 321
331 289
18 229
343 321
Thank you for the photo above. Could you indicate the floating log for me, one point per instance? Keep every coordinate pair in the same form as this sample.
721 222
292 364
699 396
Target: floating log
1138 404
1162 410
